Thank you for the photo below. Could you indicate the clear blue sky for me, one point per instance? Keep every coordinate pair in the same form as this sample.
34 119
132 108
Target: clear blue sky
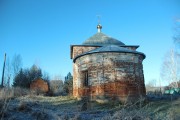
41 31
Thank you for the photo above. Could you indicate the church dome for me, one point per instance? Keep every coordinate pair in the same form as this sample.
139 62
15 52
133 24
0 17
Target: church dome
101 39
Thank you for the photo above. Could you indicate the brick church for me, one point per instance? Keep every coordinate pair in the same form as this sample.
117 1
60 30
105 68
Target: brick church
106 68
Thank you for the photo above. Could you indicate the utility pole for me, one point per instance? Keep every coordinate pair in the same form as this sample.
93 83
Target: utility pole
2 82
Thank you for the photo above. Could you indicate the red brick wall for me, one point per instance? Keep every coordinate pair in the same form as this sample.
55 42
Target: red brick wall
77 50
119 90
110 74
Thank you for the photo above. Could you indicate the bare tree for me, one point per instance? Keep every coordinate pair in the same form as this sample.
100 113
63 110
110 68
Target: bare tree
16 64
152 83
150 86
45 76
176 37
56 87
8 72
170 70
57 77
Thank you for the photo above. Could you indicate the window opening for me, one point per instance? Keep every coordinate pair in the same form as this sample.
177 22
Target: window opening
85 78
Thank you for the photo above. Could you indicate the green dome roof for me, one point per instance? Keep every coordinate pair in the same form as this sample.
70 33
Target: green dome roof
101 39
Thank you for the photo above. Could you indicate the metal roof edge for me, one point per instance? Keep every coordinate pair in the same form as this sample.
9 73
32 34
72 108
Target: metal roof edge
87 53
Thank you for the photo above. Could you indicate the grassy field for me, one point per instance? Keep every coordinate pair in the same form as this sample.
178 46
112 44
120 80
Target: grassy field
30 107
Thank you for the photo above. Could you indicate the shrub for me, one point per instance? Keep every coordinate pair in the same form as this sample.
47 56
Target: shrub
56 87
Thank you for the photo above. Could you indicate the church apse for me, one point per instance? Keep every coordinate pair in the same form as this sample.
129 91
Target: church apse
105 68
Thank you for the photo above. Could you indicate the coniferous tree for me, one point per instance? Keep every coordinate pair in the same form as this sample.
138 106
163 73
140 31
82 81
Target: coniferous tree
21 79
34 73
26 76
68 84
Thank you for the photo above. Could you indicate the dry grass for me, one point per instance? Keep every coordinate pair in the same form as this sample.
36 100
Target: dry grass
5 97
157 110
65 107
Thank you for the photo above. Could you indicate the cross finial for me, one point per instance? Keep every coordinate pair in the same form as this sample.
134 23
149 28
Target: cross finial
98 16
99 27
